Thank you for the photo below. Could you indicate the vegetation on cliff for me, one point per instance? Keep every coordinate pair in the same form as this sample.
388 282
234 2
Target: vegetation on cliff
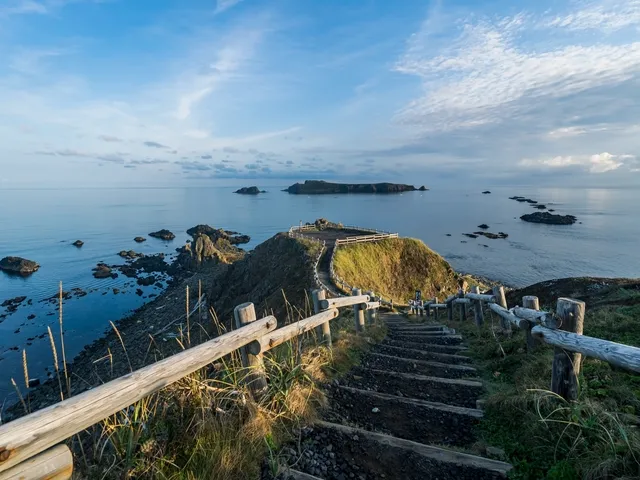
395 268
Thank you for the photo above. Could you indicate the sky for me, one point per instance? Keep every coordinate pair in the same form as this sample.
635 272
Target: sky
169 92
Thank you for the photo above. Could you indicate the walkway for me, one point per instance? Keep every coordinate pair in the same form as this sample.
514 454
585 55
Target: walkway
404 413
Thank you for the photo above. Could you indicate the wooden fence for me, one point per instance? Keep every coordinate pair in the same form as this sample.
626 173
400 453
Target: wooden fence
561 329
31 447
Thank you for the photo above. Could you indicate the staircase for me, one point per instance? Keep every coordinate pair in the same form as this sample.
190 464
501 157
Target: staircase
407 412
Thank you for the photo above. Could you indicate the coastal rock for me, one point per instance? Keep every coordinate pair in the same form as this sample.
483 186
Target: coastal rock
31 317
163 234
151 263
549 218
484 226
128 271
139 239
319 187
13 301
78 243
249 191
540 207
130 254
492 236
486 192
147 281
102 271
18 265
423 188
234 238
470 235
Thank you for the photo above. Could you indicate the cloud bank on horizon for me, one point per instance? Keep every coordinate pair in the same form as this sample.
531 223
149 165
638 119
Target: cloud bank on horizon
257 89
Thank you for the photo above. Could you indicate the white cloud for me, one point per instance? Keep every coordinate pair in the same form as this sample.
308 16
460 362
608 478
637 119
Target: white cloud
607 16
598 163
222 5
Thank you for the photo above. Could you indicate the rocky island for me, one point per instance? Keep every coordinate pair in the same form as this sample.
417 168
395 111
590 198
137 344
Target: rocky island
163 234
549 218
249 191
18 265
319 187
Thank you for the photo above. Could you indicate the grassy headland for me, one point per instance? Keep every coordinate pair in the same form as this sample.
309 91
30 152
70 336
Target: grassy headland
395 268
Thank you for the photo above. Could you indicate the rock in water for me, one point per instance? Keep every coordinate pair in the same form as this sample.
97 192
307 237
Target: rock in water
78 243
139 239
318 187
102 271
423 188
18 265
249 191
163 234
484 226
486 192
549 218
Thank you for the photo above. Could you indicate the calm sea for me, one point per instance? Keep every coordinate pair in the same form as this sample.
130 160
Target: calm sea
41 224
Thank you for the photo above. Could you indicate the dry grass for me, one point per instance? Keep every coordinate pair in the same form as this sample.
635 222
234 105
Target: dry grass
395 268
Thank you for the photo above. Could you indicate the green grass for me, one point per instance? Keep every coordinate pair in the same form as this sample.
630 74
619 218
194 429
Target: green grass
395 268
545 436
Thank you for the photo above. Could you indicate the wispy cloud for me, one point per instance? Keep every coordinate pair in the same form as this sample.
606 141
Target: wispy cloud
109 138
223 5
598 163
154 145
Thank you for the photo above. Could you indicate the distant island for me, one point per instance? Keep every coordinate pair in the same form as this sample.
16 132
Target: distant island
318 187
249 191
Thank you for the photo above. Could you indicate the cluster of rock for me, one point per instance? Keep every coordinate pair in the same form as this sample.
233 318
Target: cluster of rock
102 270
492 236
163 234
249 191
210 245
549 218
318 187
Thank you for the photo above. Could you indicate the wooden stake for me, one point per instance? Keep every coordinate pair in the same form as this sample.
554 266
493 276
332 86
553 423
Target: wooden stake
357 312
531 302
245 314
566 365
324 330
188 324
501 299
478 315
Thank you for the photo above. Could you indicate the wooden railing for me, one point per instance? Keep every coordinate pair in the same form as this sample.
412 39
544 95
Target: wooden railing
561 329
31 448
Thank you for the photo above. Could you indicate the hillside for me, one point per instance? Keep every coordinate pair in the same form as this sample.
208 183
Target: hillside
395 268
279 265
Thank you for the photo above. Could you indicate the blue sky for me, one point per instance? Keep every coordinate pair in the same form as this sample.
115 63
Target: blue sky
160 92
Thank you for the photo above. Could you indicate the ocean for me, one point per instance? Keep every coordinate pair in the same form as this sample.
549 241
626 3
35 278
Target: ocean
42 224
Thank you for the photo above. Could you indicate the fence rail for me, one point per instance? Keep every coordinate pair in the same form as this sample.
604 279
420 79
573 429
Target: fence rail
561 329
31 448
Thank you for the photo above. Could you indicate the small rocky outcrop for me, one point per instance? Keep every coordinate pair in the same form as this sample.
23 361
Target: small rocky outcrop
484 226
103 271
130 254
147 281
549 218
249 191
151 263
18 265
78 243
163 234
470 235
423 188
234 238
486 192
13 301
492 236
540 206
139 239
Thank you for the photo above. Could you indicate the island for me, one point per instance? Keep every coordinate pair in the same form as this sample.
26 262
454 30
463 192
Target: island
163 234
250 191
549 218
319 187
18 265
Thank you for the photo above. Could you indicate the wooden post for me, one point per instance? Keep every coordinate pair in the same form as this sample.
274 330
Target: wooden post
463 306
358 314
529 301
450 310
477 308
324 330
55 463
435 310
371 314
501 299
245 314
566 365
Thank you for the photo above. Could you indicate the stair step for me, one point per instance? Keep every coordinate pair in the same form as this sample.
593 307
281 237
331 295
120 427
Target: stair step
439 339
376 454
425 346
422 367
461 393
421 354
396 416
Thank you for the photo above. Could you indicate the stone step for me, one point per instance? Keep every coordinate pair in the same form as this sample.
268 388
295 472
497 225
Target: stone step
405 418
392 363
425 345
439 339
420 354
377 455
455 392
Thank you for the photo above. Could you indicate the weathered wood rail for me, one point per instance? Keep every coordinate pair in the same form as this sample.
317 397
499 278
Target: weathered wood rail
32 448
561 329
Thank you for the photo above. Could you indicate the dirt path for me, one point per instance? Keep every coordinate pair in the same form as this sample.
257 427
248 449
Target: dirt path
407 412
